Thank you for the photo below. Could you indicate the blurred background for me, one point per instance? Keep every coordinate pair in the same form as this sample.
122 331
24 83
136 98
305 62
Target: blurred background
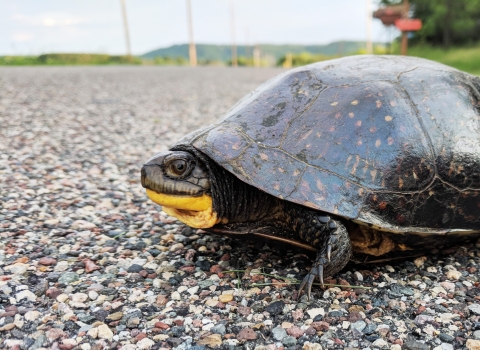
262 33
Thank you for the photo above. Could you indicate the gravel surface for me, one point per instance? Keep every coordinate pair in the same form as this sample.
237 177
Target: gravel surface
86 262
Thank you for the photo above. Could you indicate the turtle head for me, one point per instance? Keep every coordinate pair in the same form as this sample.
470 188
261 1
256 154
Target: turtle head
180 183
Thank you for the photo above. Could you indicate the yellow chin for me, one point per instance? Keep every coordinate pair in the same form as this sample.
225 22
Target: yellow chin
196 219
196 212
203 202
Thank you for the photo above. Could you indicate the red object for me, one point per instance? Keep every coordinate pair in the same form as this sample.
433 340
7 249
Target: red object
408 24
388 15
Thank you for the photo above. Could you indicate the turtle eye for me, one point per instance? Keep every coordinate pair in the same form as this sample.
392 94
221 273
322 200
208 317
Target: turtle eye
178 167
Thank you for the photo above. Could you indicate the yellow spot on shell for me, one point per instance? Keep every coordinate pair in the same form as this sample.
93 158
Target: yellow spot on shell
360 191
378 103
354 102
390 141
358 123
263 156
393 103
388 118
400 182
351 115
296 172
378 143
374 174
333 103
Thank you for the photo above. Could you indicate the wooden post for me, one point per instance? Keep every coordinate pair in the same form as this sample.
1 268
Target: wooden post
192 50
369 28
125 27
234 45
404 45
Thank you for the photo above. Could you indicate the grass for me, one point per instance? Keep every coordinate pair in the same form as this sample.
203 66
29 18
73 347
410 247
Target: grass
464 58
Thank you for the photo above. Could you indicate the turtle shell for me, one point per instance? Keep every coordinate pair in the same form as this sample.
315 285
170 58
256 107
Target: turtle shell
389 141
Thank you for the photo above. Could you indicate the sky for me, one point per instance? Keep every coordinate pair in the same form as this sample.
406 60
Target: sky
32 27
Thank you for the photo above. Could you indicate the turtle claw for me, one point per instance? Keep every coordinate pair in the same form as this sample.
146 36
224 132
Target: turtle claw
315 271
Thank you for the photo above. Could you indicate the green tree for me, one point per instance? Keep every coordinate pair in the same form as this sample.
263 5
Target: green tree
445 22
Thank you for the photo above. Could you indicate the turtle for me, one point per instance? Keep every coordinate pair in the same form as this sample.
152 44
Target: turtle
369 155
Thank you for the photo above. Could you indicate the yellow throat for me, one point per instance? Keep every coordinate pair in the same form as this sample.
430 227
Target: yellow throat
196 212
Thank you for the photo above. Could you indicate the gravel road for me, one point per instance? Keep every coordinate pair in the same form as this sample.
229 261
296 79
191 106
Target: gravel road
86 262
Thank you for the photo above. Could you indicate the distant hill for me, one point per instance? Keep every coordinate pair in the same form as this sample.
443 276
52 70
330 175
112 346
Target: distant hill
208 52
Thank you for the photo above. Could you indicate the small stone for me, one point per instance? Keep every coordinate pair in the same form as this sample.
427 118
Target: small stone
446 337
62 298
47 260
17 269
278 333
145 343
225 298
475 308
54 333
176 296
212 340
358 276
453 275
32 315
115 316
161 325
289 341
104 332
219 329
246 334
311 346
92 295
90 266
359 325
79 297
276 307
25 294
473 344
68 277
8 327
295 331
420 261
315 312
61 266
380 343
415 345
476 335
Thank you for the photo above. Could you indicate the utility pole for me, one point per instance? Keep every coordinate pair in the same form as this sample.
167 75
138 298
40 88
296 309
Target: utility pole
234 45
192 50
369 27
125 27
256 56
404 45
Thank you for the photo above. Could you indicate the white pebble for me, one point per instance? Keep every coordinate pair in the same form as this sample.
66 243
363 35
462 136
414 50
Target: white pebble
93 295
25 294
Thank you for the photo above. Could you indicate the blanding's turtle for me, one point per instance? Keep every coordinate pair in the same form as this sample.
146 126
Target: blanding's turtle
370 154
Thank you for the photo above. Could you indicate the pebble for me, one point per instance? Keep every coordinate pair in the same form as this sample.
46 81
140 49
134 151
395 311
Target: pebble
473 344
453 275
278 333
145 343
25 294
104 332
88 262
225 298
475 308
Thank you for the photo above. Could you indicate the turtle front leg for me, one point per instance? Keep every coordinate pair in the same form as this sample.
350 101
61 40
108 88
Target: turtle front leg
331 239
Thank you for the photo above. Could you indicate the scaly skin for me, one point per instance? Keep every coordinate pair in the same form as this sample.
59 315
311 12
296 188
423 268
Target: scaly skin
329 236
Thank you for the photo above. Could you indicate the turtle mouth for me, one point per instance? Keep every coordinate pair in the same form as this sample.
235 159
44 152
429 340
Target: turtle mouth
187 203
